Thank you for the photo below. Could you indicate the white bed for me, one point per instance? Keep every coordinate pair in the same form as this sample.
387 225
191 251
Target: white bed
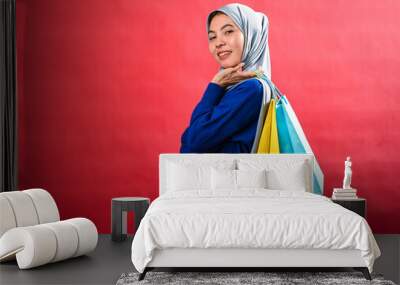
193 225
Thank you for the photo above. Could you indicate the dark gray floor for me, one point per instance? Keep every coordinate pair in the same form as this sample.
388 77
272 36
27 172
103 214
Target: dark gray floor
111 259
103 266
389 262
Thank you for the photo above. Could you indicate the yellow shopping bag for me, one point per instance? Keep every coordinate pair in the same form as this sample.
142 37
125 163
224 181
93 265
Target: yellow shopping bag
269 142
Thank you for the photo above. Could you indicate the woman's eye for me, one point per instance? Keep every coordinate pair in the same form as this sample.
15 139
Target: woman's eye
227 32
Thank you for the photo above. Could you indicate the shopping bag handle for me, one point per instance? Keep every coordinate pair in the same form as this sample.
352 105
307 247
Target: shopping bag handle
276 94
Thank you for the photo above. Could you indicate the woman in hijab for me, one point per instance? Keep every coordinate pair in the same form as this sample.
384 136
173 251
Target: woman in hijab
227 119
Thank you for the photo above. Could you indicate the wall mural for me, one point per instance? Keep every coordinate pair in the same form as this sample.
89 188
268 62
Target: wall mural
242 111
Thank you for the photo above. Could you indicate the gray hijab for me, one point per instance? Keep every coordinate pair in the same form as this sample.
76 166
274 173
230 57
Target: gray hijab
254 26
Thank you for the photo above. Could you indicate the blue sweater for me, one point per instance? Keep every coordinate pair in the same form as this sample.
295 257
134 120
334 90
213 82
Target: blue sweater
224 121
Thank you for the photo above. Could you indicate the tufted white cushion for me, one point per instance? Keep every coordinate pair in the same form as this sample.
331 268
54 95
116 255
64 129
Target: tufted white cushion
32 246
87 234
46 208
7 219
66 236
24 211
31 232
52 242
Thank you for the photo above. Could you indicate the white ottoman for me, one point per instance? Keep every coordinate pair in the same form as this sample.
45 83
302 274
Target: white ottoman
31 232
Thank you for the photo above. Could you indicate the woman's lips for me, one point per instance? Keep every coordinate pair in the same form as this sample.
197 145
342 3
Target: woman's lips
224 55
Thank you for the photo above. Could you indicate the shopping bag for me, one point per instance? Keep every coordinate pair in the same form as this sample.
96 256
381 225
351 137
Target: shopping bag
300 143
289 141
291 137
269 136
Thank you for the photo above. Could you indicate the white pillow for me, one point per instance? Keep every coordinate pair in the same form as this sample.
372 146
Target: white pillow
223 179
251 178
291 180
237 179
282 175
188 175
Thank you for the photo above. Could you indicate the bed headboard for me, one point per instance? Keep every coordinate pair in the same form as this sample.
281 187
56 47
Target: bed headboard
209 158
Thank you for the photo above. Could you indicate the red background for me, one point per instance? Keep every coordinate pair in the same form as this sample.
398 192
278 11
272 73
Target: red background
104 87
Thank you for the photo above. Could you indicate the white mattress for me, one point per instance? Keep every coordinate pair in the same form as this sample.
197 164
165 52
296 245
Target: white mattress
251 218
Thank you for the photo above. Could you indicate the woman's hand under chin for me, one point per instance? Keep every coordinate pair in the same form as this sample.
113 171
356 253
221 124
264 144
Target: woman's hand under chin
233 75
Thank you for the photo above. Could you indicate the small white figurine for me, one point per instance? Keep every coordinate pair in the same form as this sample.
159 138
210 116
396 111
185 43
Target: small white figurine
347 174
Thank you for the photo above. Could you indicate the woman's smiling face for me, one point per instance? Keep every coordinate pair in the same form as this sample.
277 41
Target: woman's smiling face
225 41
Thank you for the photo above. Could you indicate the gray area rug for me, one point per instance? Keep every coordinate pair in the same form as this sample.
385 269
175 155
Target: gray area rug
269 278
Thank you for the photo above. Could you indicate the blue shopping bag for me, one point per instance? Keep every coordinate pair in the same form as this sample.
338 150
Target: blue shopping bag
289 140
318 176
